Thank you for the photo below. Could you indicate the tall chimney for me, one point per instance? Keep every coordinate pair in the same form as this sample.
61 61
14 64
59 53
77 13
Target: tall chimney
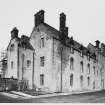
62 22
66 31
97 43
14 33
39 17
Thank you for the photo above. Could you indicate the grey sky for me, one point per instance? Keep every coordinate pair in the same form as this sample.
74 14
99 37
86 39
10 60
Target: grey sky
85 18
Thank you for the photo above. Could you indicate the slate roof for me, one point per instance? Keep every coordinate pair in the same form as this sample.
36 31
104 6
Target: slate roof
77 46
69 40
24 42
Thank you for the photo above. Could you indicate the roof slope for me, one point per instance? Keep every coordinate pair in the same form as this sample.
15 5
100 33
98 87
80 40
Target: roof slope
24 42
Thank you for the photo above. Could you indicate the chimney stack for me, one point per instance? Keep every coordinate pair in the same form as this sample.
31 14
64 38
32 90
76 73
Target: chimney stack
103 47
14 33
62 22
66 31
97 43
39 17
62 28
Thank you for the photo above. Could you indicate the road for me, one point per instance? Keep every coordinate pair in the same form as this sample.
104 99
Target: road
97 97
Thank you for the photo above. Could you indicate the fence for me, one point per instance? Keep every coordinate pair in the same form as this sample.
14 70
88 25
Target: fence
8 84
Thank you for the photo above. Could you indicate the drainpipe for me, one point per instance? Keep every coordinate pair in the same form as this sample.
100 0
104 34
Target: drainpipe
33 72
61 67
22 65
18 63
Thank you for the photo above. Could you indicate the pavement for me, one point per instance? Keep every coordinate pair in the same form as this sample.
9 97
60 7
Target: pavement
98 96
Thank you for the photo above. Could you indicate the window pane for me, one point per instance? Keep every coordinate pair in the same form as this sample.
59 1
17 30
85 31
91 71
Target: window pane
12 47
11 64
81 81
88 81
42 79
42 43
42 61
71 80
71 63
28 63
88 66
81 66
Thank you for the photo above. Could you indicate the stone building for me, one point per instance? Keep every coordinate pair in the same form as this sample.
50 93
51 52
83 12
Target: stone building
52 61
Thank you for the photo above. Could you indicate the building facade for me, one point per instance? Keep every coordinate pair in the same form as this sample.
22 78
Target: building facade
51 61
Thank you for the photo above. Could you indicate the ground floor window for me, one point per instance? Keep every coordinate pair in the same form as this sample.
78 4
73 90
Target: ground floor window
88 81
94 85
81 80
41 79
71 80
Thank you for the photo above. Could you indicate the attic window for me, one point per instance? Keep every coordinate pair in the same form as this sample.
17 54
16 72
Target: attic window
88 55
94 56
71 50
81 53
12 47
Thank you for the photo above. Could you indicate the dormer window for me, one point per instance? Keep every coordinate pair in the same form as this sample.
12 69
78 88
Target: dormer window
88 55
94 57
71 45
81 51
71 50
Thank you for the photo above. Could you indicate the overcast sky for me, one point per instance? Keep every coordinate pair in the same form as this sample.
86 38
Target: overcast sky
85 18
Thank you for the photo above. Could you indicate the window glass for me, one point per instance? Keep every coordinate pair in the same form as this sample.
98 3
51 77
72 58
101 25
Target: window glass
88 81
71 80
28 63
42 60
11 64
42 43
12 47
42 79
88 66
71 63
81 66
